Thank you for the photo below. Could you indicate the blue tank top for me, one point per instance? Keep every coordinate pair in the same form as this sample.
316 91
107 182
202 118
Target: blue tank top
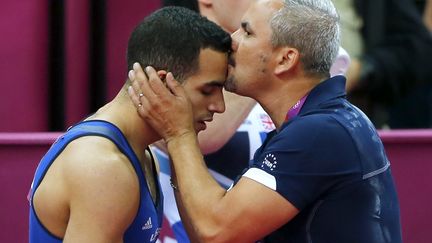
148 221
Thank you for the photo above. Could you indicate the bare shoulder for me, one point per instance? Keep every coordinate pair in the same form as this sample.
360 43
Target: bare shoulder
94 162
102 184
90 192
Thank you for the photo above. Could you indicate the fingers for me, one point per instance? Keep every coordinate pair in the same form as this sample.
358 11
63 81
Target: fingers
174 86
140 102
139 73
156 84
164 106
133 96
137 78
147 87
141 78
138 89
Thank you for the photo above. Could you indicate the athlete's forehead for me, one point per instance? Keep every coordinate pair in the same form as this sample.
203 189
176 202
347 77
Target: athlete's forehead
212 69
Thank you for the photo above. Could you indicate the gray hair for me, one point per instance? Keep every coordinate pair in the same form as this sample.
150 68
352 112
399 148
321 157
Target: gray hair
312 27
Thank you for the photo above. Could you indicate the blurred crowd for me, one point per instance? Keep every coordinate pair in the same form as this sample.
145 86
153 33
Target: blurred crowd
390 44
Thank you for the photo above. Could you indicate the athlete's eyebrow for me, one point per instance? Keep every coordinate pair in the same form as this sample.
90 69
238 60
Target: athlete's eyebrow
217 83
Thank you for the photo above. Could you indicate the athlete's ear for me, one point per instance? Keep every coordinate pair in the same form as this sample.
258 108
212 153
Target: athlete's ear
287 58
162 74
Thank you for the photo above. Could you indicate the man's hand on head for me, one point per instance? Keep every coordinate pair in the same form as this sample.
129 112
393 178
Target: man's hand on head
165 107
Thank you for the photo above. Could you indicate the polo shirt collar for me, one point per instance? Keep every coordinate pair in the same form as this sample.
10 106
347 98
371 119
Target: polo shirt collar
327 90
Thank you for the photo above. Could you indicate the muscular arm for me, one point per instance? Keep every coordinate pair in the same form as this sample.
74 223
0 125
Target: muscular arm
216 215
103 192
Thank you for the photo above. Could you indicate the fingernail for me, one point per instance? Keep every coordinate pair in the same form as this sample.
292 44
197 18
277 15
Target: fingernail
169 76
136 65
131 74
147 69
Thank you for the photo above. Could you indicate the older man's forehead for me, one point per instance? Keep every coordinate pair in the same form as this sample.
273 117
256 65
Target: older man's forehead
262 5
259 11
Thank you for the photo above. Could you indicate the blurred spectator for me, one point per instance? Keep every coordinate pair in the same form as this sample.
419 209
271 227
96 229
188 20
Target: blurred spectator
391 76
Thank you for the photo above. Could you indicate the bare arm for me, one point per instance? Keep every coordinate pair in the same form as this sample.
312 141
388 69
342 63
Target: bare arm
216 215
103 192
211 214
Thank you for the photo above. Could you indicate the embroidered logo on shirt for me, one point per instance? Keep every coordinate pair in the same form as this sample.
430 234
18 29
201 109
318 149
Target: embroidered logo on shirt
148 224
270 162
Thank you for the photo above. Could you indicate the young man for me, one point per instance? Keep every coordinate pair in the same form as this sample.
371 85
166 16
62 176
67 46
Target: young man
232 137
98 182
321 176
227 14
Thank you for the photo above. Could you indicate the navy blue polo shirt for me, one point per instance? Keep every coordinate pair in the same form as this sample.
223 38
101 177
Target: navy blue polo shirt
330 163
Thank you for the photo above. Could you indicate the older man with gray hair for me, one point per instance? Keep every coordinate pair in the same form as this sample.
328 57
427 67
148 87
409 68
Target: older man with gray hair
321 176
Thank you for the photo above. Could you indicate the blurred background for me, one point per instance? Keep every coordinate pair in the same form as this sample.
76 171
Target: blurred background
61 60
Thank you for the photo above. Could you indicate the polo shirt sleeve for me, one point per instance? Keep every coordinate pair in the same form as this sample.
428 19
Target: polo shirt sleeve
309 157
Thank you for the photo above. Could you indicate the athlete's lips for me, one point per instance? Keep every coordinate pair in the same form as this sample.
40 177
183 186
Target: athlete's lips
202 125
208 119
203 122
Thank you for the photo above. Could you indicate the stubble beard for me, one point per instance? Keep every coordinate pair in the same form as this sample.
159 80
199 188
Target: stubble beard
230 84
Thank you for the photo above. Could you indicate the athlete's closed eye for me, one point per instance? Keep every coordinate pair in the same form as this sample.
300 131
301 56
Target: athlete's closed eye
211 88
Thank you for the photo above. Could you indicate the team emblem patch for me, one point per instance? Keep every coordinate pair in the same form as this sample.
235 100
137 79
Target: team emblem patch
269 161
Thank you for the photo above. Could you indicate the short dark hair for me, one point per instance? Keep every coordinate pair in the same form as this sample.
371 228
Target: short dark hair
171 39
190 4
